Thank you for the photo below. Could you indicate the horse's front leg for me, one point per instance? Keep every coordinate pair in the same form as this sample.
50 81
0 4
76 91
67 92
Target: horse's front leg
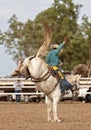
49 109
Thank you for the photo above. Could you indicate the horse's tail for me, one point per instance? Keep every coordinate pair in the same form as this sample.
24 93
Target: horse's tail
47 40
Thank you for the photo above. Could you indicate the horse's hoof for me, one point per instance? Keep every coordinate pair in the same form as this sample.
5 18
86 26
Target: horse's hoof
49 120
58 120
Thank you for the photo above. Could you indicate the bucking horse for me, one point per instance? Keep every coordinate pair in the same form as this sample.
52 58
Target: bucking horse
35 67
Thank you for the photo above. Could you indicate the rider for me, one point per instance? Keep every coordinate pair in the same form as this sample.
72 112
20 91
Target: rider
52 59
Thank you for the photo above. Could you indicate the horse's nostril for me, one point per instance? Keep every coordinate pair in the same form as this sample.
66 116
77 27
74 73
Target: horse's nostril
17 71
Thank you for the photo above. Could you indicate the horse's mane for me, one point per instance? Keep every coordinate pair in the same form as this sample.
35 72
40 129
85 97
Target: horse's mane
47 41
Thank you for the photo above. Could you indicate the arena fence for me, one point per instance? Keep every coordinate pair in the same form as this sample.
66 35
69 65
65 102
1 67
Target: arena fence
29 88
28 91
84 87
84 83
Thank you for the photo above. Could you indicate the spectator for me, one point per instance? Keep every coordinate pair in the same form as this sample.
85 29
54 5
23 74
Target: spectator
18 89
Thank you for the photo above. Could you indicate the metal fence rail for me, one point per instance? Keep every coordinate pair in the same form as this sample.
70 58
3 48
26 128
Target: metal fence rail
7 89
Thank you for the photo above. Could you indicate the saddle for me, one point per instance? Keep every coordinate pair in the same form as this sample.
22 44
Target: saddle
64 84
55 72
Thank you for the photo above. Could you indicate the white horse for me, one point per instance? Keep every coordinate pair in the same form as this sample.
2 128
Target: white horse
37 69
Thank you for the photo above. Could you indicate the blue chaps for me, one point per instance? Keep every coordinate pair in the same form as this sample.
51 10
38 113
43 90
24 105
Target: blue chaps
65 85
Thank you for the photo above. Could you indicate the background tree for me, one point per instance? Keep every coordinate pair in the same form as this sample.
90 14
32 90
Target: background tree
62 18
1 38
86 30
22 39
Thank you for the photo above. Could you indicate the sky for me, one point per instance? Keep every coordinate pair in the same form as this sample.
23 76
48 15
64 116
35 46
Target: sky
24 10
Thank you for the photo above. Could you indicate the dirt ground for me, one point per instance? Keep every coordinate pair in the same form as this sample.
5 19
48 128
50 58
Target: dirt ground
32 116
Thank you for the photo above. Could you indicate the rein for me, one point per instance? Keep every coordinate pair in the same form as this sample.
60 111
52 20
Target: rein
43 78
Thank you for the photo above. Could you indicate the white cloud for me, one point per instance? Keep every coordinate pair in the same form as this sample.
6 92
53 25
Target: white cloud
24 9
21 7
86 6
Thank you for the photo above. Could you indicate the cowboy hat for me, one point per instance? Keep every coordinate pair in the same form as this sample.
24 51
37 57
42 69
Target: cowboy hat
55 46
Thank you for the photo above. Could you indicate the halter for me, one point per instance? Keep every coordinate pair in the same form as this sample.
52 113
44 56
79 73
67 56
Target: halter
33 79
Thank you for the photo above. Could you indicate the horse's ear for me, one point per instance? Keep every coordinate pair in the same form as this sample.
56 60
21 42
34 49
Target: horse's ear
20 64
21 59
79 76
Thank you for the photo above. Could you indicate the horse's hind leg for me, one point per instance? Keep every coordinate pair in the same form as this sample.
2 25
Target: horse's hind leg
55 104
49 109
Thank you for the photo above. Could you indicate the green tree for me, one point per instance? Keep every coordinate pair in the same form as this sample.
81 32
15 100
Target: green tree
62 17
18 38
1 37
23 39
86 30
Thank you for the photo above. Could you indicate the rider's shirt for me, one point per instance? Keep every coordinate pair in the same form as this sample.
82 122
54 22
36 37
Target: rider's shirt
52 57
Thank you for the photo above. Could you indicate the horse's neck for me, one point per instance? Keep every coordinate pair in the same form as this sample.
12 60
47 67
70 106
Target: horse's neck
38 67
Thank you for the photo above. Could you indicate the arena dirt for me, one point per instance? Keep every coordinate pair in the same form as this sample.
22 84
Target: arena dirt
32 116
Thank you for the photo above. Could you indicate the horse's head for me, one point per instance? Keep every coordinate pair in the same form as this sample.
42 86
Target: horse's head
74 80
31 67
17 70
21 68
